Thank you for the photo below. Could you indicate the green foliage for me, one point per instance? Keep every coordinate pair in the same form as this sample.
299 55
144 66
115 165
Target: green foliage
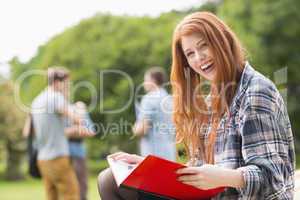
268 29
104 42
12 121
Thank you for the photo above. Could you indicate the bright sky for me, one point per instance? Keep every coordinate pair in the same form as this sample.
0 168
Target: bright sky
27 24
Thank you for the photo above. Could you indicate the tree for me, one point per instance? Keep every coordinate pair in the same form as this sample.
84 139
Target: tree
12 120
268 29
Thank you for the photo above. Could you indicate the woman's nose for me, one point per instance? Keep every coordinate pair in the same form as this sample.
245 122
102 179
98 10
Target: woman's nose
200 56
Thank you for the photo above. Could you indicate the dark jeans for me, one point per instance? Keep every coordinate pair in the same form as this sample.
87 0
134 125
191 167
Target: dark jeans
80 169
145 196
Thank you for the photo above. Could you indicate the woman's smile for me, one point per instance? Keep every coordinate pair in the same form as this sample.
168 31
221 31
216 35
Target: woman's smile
207 67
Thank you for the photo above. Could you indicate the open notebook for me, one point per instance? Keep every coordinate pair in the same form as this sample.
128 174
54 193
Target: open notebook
157 176
121 170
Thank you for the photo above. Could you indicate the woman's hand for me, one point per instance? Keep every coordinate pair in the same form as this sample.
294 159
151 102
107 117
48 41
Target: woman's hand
126 157
204 177
211 176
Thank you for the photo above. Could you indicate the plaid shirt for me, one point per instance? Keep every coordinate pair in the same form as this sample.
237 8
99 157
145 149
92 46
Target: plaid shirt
257 138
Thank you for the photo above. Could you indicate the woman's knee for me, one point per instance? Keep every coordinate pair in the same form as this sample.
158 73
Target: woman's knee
108 188
105 181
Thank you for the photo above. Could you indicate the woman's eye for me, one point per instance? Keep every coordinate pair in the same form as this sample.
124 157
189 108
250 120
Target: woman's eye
203 46
189 54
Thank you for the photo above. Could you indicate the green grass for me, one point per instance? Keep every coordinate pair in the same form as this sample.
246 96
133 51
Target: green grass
31 189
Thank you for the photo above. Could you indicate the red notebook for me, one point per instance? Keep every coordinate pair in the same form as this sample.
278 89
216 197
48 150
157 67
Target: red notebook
157 176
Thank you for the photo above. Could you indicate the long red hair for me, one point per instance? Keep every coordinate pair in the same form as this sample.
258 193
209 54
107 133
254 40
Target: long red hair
192 114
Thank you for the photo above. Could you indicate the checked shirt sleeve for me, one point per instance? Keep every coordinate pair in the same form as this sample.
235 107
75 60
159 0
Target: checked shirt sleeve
265 151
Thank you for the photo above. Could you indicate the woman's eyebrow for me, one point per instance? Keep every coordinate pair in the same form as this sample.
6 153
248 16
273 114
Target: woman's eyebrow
186 50
200 42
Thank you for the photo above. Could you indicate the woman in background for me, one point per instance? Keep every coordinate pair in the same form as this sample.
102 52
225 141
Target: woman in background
76 135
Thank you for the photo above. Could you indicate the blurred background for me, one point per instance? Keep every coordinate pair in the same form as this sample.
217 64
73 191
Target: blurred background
90 36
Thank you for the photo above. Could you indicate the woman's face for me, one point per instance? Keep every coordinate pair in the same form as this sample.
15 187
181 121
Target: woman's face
199 55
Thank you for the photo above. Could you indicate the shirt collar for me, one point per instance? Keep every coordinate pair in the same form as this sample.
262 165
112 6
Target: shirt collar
246 76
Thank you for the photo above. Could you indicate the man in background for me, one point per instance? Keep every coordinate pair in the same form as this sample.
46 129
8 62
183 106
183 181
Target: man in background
154 121
49 109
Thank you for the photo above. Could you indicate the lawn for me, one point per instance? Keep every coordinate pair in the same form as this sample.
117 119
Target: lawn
32 189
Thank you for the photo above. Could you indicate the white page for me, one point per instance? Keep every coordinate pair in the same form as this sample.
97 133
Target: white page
120 169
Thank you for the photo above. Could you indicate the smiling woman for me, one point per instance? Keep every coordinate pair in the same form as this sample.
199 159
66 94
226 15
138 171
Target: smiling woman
204 47
239 136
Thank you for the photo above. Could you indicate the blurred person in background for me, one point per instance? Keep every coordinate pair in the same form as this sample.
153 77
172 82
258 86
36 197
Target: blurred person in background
48 111
154 117
76 134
